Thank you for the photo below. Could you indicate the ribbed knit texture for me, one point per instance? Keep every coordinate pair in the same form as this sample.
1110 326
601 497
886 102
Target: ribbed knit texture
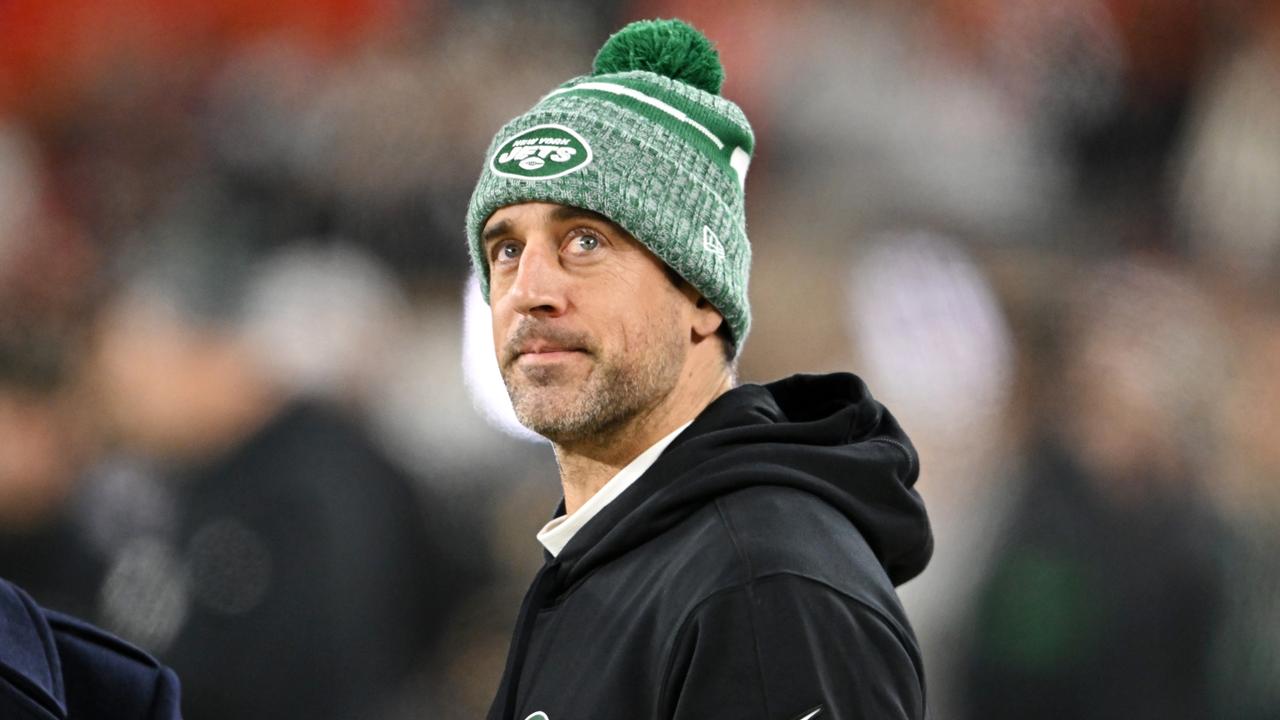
658 176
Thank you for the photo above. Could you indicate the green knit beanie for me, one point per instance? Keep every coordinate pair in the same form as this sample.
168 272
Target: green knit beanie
647 141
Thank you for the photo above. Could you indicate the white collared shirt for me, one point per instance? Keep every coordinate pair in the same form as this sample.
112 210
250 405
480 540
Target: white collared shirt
557 533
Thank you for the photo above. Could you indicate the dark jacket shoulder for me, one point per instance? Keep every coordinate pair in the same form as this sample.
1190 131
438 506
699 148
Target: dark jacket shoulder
53 667
785 531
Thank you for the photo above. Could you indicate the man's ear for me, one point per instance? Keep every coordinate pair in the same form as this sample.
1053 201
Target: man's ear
707 319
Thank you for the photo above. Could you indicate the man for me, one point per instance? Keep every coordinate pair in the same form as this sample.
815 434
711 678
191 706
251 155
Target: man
721 552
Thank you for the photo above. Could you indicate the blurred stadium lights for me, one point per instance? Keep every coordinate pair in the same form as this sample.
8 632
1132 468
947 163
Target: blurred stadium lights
930 332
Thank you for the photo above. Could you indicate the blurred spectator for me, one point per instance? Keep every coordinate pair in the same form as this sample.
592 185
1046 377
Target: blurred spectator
42 454
1105 594
46 270
883 125
1230 162
1247 668
302 573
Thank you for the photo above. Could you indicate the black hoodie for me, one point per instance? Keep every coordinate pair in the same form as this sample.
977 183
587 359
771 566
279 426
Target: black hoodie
748 574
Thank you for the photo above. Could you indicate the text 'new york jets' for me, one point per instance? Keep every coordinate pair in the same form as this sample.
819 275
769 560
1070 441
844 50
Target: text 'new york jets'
542 152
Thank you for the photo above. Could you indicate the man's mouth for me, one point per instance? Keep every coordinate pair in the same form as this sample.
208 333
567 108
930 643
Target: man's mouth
532 348
545 347
548 355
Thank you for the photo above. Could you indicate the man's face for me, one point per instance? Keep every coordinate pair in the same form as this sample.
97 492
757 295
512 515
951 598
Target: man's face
588 329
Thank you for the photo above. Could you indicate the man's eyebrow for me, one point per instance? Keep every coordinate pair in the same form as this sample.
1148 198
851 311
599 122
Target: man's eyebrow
500 228
565 213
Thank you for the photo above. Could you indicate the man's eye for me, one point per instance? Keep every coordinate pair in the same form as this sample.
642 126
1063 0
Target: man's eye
507 251
585 243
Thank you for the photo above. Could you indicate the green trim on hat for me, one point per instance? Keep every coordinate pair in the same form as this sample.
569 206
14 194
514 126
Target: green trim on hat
720 137
726 130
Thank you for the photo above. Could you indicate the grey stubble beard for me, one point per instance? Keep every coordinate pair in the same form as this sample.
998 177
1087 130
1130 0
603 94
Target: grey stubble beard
604 404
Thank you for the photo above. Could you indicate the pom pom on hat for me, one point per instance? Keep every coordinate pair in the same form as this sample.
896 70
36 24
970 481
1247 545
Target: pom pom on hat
672 48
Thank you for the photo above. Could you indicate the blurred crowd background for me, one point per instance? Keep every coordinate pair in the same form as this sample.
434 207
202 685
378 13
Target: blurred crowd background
249 417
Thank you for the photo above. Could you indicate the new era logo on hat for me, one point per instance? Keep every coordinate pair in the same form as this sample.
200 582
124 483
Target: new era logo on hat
711 242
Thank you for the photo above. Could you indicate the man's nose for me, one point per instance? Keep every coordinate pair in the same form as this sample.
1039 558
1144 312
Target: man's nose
540 282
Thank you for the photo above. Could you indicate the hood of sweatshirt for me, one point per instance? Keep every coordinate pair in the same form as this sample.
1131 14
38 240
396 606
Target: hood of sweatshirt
823 434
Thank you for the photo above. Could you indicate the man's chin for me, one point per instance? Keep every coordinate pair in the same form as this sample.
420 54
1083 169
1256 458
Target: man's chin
534 401
549 425
554 412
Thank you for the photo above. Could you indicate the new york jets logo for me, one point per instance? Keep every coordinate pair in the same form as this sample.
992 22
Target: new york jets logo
537 716
541 153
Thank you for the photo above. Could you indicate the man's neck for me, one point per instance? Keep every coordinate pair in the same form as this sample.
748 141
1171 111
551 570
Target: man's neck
585 467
